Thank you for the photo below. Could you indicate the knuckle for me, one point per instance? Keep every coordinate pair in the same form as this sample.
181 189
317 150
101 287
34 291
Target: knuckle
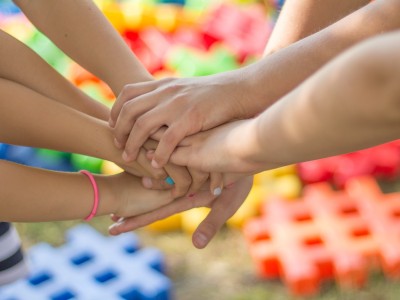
169 137
141 123
209 228
158 174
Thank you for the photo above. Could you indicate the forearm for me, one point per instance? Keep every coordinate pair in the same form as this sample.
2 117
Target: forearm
299 19
327 116
31 119
36 195
20 64
279 73
82 32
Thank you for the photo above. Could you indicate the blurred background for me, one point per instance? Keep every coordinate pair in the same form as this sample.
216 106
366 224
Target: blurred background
348 250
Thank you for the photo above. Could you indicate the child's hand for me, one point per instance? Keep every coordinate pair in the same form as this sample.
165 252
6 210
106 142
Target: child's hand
132 198
222 208
187 181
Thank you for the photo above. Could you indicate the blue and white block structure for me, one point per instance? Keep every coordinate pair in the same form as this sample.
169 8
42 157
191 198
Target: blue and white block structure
91 266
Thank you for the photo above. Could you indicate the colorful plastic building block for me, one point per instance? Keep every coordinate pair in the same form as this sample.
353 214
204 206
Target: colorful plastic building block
245 30
90 266
327 234
381 161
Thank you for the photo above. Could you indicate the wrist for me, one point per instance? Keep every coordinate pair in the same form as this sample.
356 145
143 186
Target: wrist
246 155
108 199
250 92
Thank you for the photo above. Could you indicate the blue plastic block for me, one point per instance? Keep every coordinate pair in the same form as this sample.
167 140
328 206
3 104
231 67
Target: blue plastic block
7 7
178 2
3 151
20 154
90 266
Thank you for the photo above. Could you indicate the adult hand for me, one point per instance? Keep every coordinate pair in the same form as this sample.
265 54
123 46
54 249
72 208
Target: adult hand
222 208
185 105
230 148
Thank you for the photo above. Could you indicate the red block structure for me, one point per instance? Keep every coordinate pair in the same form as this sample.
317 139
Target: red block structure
244 30
327 234
381 161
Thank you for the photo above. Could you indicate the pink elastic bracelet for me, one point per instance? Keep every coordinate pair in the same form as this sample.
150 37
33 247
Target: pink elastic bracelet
96 194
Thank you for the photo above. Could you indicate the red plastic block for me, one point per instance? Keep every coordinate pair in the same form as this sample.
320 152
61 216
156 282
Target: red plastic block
244 30
381 161
327 234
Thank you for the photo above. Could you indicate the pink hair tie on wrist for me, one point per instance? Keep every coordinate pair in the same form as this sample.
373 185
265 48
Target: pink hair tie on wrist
96 194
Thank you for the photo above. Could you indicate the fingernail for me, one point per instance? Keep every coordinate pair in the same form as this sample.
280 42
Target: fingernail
191 195
111 122
201 240
169 181
147 182
112 227
154 164
118 144
125 156
217 191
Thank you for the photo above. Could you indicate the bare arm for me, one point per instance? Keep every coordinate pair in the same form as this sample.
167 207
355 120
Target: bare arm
35 195
20 64
100 49
32 119
186 102
299 19
351 104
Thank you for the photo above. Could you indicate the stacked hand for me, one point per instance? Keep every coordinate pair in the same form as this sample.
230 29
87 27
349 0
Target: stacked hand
156 117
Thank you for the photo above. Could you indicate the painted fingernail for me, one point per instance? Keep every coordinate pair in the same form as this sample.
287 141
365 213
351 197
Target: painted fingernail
169 181
217 191
200 240
118 144
112 228
111 122
147 182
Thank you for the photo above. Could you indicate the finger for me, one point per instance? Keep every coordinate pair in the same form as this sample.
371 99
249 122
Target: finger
181 177
114 217
131 110
168 142
182 157
142 129
130 91
156 184
144 162
158 134
223 208
198 180
177 206
216 183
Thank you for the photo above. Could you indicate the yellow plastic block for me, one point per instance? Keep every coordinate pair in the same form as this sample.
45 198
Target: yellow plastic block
167 17
135 15
250 207
115 15
192 218
288 186
109 168
168 224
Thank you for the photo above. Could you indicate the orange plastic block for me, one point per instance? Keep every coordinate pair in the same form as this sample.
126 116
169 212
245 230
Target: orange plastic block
327 234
